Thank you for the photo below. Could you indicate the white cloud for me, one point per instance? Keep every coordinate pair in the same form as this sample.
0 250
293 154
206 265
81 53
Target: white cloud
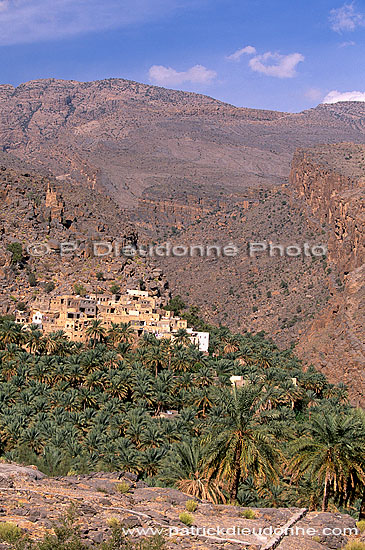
275 64
335 96
236 56
167 76
347 44
24 21
345 18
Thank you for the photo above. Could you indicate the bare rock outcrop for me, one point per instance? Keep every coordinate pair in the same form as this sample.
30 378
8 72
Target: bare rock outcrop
36 503
331 179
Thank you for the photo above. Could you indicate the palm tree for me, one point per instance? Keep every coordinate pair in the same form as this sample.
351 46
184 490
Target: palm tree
9 369
11 333
136 425
151 460
57 343
35 341
126 332
181 360
202 399
153 359
152 436
246 354
123 349
161 394
239 445
184 467
230 343
182 337
96 332
127 456
330 453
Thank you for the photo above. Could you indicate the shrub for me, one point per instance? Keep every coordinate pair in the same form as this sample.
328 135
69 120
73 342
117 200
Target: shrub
16 250
80 290
115 289
113 523
9 532
186 518
100 276
122 487
176 304
248 514
49 286
120 541
68 538
355 545
191 505
361 525
32 279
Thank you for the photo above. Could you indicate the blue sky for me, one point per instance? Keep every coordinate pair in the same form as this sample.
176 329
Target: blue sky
274 54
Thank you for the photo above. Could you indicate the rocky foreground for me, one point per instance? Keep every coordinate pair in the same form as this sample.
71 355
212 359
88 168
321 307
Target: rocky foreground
36 503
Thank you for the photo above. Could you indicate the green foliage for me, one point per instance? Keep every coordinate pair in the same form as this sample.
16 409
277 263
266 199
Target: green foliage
32 279
67 537
186 518
103 405
100 276
330 451
49 286
115 289
176 305
9 532
120 541
355 545
361 525
123 487
191 505
248 514
16 250
79 289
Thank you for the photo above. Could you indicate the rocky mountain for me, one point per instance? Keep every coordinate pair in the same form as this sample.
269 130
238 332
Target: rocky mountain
57 225
190 169
313 302
143 142
331 180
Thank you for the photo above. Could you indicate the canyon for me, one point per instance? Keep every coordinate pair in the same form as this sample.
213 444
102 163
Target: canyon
147 164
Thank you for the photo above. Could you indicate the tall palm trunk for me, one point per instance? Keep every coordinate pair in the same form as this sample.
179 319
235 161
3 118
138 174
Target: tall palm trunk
236 476
325 495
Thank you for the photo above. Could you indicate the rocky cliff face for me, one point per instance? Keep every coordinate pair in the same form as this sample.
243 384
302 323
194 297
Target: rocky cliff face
129 138
42 215
331 180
